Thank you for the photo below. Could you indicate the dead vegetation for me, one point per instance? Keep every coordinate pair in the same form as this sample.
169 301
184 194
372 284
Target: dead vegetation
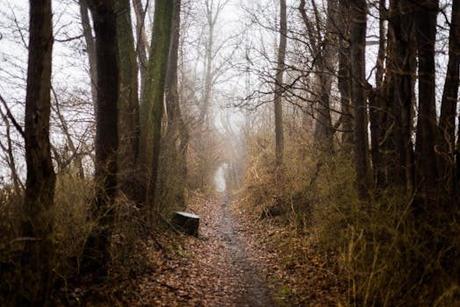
377 253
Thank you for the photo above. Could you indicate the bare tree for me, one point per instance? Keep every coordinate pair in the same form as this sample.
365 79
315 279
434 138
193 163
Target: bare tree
425 29
152 103
279 134
142 43
358 44
90 46
39 195
449 105
96 253
128 102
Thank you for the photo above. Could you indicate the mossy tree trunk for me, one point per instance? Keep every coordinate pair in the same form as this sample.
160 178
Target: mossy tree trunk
172 176
38 202
152 102
128 102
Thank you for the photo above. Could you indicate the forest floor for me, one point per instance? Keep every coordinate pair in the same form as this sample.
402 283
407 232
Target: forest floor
235 261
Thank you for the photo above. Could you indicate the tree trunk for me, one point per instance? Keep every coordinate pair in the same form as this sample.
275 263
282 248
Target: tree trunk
38 221
449 106
142 44
326 66
152 105
376 103
96 252
171 183
344 76
279 134
90 47
358 45
395 137
425 21
208 72
128 103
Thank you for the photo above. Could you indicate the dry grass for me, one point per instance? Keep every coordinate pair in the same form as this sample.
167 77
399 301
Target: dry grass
389 255
72 225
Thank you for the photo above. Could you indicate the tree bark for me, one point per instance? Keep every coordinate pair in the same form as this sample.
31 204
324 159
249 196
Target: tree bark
142 43
96 252
358 45
376 103
152 105
425 25
344 74
173 166
449 106
324 132
38 221
279 134
128 102
397 104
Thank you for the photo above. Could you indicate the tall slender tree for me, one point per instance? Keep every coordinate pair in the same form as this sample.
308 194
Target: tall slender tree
38 202
358 70
141 41
128 102
344 71
425 28
90 46
279 134
376 99
449 105
97 253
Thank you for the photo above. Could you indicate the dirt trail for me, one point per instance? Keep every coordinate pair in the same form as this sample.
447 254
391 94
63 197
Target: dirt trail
252 290
214 269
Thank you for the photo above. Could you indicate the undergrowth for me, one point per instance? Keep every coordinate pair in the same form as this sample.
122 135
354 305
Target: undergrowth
72 226
388 254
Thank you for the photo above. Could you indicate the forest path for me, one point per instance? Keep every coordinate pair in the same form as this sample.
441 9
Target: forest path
250 290
219 268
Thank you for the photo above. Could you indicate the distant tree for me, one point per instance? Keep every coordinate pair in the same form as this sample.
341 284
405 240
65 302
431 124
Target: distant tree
278 106
38 221
96 253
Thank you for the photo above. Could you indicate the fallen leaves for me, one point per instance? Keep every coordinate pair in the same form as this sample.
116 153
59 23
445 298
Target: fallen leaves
237 260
